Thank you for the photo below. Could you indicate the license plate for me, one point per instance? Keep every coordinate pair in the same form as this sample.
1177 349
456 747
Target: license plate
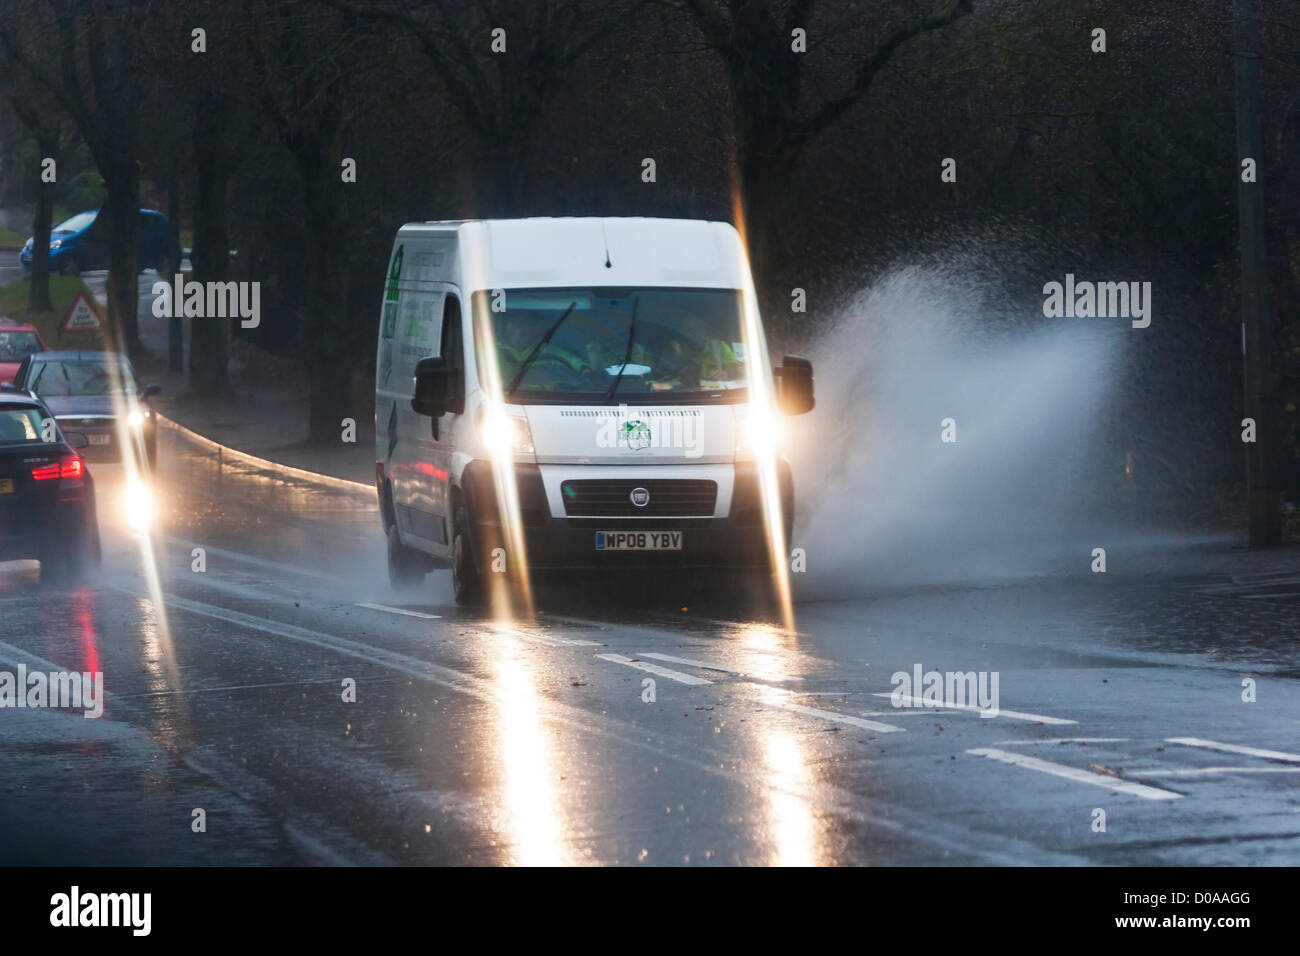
638 541
6 486
100 439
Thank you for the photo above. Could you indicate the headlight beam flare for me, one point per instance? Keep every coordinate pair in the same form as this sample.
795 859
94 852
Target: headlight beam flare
762 413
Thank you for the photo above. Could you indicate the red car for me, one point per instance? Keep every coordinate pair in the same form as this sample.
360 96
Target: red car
17 341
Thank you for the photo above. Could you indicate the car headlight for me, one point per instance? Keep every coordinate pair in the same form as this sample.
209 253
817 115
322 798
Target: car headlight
758 432
55 244
506 434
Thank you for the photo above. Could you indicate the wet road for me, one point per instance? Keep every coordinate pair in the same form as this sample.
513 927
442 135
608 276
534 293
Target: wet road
474 741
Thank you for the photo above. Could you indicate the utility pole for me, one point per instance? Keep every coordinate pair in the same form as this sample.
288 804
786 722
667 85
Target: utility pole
1262 503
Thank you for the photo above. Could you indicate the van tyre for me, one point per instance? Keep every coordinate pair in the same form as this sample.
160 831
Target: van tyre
406 566
466 576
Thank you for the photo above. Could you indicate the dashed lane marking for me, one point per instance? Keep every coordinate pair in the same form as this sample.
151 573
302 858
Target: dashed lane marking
679 676
1066 740
1075 774
554 641
692 662
1001 712
1207 771
1234 749
830 715
400 610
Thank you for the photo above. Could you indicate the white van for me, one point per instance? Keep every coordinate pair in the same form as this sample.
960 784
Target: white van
604 363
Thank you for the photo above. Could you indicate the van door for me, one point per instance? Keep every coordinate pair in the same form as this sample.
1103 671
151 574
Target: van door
417 495
448 430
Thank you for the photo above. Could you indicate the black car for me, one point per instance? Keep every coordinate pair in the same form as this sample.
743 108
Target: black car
47 497
89 392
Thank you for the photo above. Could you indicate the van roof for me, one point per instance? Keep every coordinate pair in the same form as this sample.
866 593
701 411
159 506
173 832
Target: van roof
592 251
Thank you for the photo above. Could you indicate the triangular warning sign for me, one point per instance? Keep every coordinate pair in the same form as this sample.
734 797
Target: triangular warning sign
81 316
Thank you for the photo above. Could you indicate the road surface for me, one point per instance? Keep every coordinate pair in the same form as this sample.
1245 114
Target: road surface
226 737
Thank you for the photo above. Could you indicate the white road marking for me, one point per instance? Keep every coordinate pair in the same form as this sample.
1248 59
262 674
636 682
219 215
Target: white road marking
830 715
1234 749
554 641
689 662
398 610
8 652
1066 740
1077 775
655 669
1002 711
898 819
1211 770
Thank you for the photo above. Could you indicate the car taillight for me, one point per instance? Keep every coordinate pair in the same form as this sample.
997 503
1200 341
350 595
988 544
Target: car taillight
70 467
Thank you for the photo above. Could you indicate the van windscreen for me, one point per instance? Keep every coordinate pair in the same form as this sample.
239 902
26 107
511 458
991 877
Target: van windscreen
685 345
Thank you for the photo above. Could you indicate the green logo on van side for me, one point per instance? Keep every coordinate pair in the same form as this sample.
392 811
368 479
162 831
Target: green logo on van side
394 274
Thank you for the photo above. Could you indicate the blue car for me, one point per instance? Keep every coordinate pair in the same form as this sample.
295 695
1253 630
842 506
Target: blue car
73 249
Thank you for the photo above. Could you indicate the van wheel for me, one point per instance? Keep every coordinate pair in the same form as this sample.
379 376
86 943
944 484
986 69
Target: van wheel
466 580
405 567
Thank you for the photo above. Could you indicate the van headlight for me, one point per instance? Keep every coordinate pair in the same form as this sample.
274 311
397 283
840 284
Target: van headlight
758 432
135 419
55 244
505 434
138 504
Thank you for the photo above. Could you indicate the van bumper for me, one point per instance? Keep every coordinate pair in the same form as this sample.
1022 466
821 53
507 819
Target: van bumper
737 541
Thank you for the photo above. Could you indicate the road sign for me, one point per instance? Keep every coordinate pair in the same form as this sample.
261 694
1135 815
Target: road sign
81 317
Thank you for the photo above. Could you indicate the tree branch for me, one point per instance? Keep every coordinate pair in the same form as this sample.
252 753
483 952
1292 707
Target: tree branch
832 110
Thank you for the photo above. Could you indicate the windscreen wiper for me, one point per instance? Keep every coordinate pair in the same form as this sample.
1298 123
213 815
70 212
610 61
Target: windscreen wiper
627 356
523 369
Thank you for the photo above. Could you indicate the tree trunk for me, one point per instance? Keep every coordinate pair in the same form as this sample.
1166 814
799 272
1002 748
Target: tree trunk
175 340
325 327
122 234
38 293
210 257
1263 499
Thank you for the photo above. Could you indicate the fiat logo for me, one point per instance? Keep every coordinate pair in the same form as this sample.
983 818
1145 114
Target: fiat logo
640 497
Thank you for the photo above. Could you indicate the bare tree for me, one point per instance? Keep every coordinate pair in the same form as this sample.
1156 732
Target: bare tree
775 119
86 56
51 130
502 96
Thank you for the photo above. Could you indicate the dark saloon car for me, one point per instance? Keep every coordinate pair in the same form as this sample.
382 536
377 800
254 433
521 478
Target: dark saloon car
89 393
47 497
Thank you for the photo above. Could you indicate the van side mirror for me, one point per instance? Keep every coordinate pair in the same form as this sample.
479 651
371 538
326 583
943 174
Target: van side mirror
151 390
794 385
437 388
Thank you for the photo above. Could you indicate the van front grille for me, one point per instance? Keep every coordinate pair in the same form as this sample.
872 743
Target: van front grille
612 498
